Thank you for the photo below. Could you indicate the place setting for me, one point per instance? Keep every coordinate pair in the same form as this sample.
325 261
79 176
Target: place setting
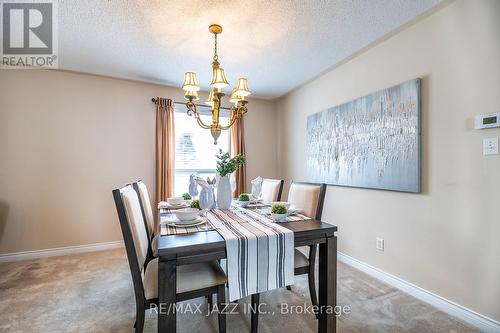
184 221
277 211
174 203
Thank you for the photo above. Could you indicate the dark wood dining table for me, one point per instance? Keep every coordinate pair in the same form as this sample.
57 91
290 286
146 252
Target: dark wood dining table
177 250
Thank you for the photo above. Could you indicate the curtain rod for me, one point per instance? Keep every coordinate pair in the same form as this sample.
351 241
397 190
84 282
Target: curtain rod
200 105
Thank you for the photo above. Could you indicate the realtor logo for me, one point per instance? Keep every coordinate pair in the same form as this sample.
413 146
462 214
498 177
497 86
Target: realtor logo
29 38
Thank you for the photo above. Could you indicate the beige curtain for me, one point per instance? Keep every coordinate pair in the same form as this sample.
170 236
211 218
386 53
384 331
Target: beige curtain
238 147
165 149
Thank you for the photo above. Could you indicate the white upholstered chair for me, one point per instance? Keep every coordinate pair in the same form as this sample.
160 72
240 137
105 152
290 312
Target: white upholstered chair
147 214
196 280
271 189
309 198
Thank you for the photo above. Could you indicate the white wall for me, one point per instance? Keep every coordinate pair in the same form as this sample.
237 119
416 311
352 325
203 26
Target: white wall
67 140
445 239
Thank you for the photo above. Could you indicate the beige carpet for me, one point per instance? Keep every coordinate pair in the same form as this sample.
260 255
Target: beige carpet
93 292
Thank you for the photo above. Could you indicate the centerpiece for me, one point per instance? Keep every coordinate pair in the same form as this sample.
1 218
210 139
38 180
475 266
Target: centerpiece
279 212
244 200
225 167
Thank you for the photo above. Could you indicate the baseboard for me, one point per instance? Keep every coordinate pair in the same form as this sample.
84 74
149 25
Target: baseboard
484 323
60 251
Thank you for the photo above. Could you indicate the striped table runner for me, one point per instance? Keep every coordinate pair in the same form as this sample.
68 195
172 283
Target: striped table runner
260 254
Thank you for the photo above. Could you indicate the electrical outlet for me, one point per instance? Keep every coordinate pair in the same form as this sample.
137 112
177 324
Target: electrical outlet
380 244
490 146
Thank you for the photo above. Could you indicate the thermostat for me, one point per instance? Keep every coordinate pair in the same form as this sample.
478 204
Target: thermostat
487 120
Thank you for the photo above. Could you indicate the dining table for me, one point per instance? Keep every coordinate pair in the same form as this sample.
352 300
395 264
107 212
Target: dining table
184 249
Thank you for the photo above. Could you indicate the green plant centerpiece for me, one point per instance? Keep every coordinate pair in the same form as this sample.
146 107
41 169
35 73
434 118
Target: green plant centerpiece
279 213
278 209
195 204
244 197
187 196
226 165
244 200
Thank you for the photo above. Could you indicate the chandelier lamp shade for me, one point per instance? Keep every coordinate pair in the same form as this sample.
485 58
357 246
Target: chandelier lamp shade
190 82
210 99
191 94
219 82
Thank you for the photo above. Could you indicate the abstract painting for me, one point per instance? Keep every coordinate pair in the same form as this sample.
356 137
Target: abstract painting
370 142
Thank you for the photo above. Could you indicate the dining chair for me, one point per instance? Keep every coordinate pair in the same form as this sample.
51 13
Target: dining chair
147 215
271 189
309 198
195 280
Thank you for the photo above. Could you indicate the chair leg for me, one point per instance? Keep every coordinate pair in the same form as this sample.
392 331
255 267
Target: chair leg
312 277
255 313
221 299
139 317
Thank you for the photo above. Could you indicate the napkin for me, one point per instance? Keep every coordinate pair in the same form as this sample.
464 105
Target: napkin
257 187
202 182
207 198
193 188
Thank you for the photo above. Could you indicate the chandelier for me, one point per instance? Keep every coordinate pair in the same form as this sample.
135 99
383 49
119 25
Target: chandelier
219 81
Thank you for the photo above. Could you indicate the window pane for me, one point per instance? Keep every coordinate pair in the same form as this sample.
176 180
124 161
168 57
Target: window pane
195 150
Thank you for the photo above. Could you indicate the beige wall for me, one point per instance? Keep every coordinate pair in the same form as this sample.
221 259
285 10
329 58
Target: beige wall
445 239
67 140
260 140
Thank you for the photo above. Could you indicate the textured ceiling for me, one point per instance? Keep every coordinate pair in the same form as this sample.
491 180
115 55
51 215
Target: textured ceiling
278 45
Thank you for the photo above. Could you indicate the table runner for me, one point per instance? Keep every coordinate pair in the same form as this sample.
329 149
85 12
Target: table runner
260 254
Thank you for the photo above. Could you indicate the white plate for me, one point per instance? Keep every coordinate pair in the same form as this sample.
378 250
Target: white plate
175 222
169 206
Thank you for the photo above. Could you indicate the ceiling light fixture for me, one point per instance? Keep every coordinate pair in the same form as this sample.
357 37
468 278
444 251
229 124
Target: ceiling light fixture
219 81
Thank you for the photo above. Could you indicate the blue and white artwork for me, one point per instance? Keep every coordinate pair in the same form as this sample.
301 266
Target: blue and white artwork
370 142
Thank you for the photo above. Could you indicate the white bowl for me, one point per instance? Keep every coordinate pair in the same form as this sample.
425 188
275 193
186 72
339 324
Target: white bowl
284 203
187 214
243 203
175 200
279 217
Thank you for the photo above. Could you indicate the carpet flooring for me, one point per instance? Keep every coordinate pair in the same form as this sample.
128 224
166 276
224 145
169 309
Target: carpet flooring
93 292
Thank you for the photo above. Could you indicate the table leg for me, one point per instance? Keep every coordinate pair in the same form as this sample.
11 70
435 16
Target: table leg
167 287
327 285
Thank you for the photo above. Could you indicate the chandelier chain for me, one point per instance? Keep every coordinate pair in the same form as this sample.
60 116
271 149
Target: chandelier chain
216 57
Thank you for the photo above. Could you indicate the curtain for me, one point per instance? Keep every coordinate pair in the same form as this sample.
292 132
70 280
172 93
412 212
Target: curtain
165 150
238 147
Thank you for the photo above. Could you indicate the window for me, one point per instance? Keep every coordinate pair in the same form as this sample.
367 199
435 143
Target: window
194 147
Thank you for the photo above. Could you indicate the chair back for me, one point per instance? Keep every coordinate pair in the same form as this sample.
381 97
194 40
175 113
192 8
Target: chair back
146 208
271 189
134 234
308 197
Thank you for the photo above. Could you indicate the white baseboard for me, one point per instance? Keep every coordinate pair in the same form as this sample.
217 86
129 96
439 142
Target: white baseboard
60 251
484 323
